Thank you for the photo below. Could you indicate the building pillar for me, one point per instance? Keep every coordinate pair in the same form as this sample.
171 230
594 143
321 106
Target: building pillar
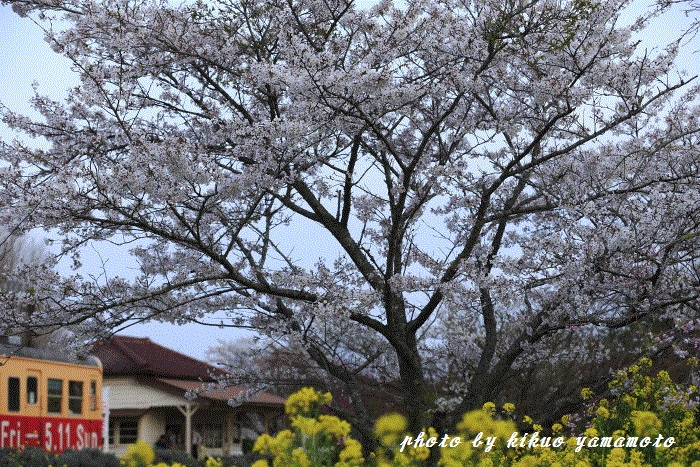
188 411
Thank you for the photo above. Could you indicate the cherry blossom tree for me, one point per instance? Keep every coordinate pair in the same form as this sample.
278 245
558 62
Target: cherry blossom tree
439 193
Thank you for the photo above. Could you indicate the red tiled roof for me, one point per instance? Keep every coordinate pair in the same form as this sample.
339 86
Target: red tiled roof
139 356
221 395
160 366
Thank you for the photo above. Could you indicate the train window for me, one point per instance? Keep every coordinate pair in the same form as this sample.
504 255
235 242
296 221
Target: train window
13 394
75 397
55 395
93 395
32 390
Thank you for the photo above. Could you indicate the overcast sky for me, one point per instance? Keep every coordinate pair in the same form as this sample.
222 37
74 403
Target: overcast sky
26 58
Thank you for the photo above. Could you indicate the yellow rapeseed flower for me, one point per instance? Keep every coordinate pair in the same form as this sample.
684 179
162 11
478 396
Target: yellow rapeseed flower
300 459
306 401
646 423
475 421
390 428
508 407
351 454
211 462
139 454
334 426
489 407
263 443
306 426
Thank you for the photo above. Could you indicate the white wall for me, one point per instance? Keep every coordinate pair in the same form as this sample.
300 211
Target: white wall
127 393
151 426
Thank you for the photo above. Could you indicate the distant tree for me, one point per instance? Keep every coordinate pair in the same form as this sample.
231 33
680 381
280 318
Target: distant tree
441 192
21 256
17 254
261 365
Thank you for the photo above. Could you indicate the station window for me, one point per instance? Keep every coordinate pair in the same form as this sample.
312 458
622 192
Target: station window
128 431
124 431
212 435
13 394
75 397
113 426
55 395
32 390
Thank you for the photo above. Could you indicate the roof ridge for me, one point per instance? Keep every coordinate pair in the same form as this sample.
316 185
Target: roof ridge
126 351
220 394
185 355
212 371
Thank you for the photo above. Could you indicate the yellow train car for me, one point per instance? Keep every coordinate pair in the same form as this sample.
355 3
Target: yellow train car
49 401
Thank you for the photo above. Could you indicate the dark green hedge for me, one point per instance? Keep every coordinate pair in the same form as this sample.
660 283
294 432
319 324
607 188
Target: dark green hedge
33 457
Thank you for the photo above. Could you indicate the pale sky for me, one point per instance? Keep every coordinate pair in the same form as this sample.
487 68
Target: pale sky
26 58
